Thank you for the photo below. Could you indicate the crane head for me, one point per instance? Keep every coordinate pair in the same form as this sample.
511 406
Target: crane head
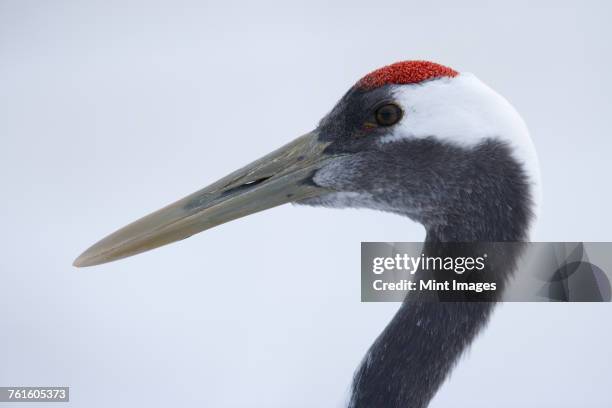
412 138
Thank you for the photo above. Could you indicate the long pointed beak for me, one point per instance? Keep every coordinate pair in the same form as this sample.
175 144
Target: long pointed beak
277 178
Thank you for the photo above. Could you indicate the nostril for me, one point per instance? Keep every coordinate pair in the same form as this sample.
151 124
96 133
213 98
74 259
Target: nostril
255 182
244 186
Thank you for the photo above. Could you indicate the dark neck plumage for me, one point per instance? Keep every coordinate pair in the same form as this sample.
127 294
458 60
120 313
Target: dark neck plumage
412 357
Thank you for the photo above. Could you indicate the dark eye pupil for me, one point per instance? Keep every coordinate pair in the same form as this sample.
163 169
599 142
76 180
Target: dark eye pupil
388 115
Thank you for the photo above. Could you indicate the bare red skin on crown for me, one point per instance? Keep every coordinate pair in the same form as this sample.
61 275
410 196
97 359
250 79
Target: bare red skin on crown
405 72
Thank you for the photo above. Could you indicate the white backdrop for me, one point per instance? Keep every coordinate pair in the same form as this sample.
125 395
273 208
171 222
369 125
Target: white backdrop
109 110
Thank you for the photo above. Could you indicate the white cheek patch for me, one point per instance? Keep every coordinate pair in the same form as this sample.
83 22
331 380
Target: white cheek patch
464 111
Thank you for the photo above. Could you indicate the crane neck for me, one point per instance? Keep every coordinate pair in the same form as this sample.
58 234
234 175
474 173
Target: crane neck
411 358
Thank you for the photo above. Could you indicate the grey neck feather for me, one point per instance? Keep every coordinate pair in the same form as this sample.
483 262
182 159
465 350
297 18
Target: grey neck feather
410 360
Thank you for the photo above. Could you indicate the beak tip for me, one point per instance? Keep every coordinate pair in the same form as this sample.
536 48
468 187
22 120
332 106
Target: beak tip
80 262
84 260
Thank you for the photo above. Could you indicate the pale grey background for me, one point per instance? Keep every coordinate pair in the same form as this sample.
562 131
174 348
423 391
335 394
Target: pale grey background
109 110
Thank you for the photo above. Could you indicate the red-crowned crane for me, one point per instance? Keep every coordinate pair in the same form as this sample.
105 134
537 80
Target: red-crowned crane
414 138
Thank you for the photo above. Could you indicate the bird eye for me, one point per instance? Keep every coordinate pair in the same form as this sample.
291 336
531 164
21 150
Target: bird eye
388 114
